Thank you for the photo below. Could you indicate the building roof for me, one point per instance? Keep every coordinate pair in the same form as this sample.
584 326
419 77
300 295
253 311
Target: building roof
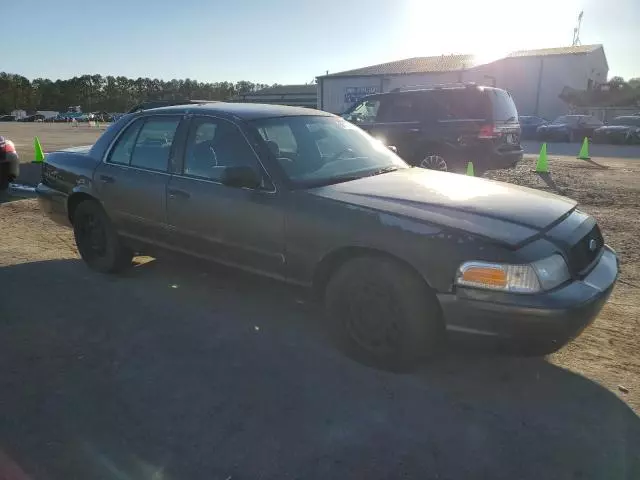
544 52
441 63
287 90
246 111
451 63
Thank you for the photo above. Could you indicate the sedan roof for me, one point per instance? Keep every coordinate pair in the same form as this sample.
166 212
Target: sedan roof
246 111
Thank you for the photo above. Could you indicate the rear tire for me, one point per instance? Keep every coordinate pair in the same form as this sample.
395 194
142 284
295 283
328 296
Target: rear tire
382 314
97 240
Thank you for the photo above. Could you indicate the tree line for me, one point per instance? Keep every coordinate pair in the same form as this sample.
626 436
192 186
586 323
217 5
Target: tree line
110 94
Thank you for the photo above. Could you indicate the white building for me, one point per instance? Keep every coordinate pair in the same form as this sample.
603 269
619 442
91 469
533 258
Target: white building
19 114
293 95
535 78
47 114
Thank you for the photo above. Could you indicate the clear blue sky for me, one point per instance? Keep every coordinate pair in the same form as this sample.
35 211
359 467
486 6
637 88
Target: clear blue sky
293 41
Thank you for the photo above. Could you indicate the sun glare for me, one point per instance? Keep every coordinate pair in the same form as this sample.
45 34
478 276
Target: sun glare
462 27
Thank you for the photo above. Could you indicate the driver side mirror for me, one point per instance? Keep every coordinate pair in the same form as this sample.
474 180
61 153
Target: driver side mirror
240 177
392 148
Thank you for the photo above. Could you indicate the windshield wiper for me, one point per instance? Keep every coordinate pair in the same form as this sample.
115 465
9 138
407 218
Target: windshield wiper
347 178
390 168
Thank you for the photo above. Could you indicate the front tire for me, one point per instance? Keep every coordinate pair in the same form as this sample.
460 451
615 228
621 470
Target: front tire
97 240
382 314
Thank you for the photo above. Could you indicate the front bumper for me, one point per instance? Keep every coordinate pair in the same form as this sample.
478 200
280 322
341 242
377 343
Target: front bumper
53 204
542 323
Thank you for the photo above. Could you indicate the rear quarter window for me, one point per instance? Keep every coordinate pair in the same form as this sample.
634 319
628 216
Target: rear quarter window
503 107
462 104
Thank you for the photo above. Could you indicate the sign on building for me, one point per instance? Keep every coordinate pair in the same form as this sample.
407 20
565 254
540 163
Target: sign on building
354 94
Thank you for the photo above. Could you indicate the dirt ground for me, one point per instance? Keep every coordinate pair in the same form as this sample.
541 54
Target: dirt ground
52 136
191 371
609 189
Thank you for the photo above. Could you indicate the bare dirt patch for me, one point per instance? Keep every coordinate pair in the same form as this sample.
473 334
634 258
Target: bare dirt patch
608 189
52 136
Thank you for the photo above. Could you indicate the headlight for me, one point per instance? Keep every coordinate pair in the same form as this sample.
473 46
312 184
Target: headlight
544 274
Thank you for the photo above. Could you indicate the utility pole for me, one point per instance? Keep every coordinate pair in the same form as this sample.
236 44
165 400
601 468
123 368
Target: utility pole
576 31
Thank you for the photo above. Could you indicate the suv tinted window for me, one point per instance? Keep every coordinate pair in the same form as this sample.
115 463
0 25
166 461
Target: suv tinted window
503 107
463 103
121 153
214 144
364 112
399 108
154 142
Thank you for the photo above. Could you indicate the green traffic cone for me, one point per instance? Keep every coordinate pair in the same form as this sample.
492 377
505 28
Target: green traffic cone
37 148
584 150
542 165
470 169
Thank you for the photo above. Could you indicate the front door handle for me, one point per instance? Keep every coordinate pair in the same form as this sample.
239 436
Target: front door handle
414 130
178 194
107 179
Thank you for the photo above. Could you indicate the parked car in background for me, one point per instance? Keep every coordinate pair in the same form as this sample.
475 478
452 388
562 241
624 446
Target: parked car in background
7 118
9 163
398 254
569 128
33 118
529 126
624 129
444 127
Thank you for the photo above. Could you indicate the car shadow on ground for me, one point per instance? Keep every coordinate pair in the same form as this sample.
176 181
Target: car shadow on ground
183 370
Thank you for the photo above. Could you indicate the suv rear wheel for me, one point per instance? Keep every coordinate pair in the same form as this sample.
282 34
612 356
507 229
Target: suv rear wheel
383 314
433 162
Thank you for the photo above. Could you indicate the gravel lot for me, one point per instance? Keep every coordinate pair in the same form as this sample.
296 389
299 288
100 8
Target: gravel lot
184 370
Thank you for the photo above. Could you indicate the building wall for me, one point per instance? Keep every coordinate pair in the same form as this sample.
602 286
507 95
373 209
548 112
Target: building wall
536 82
293 99
332 90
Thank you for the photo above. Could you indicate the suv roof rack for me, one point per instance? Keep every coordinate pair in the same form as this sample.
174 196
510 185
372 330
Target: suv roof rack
166 103
410 88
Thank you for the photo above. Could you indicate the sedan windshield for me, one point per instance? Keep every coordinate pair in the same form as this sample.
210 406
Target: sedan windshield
321 150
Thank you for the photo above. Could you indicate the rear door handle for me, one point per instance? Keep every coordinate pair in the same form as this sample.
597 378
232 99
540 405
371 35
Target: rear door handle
178 194
107 179
414 130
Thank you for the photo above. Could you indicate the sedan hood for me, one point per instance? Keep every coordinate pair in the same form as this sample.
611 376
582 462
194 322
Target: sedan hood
501 211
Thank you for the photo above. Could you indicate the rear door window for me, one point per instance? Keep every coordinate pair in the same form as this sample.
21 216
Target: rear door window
154 143
121 153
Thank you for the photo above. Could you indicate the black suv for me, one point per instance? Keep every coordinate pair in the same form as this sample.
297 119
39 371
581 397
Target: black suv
444 127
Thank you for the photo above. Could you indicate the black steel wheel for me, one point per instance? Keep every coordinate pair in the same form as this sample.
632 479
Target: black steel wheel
97 240
383 314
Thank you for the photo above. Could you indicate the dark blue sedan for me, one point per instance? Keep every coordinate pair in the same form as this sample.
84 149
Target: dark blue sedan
569 128
529 126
